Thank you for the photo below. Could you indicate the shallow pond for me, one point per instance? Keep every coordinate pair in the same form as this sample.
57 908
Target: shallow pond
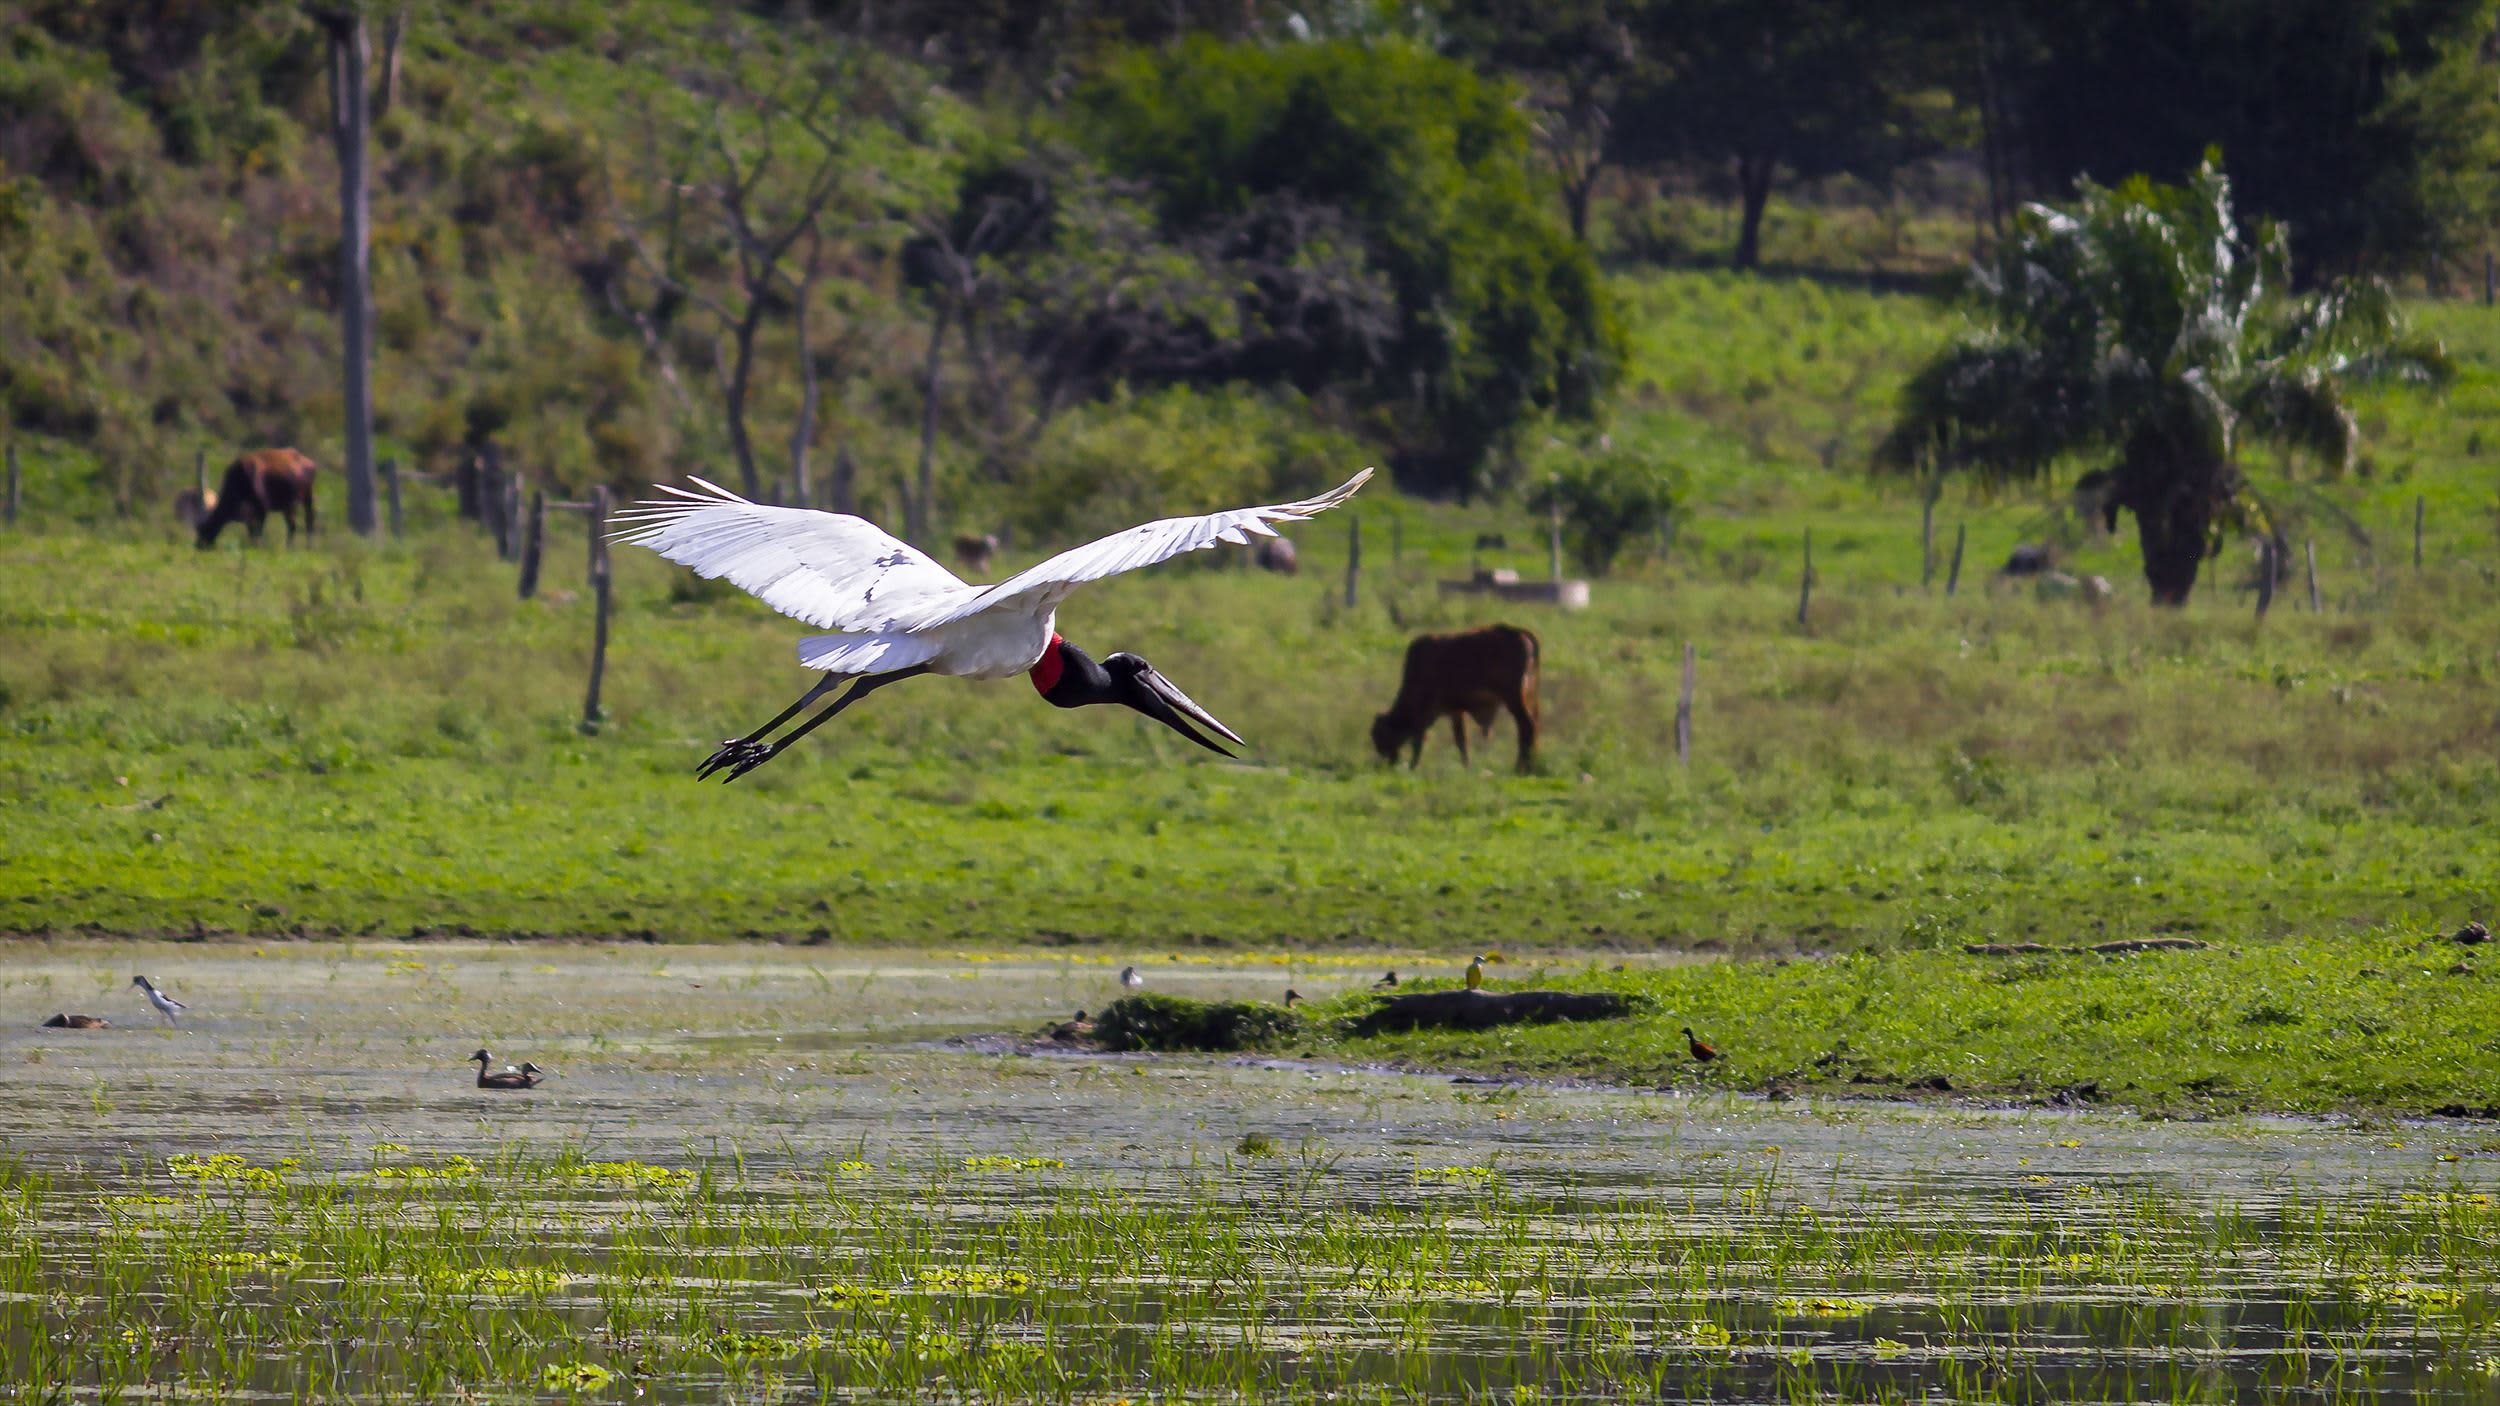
771 1173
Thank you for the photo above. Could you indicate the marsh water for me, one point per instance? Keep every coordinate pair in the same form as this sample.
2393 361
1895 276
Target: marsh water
794 1174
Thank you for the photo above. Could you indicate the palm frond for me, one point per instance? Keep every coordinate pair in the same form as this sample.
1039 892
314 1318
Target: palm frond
2300 407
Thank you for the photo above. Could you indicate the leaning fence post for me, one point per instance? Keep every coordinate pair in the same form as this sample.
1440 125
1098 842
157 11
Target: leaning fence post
2417 531
533 543
599 595
2267 566
1353 556
1953 573
2311 548
1684 712
1805 579
8 505
390 488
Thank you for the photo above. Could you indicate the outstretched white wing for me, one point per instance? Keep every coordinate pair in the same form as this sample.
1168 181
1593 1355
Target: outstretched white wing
831 570
1144 546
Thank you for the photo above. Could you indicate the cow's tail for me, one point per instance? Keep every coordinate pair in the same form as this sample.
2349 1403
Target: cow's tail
1530 637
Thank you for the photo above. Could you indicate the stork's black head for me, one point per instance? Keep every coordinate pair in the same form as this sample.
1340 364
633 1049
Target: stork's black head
1069 678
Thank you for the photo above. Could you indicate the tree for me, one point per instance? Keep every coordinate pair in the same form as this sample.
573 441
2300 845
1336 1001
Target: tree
2141 323
1811 87
1321 174
1576 58
2371 126
348 111
1608 498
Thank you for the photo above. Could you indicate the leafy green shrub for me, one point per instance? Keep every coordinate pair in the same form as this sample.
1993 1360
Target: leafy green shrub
1179 1023
1321 168
1609 499
1102 467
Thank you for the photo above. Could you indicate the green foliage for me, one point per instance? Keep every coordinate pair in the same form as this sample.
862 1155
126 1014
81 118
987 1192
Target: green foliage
2140 322
1609 498
1177 1023
1135 456
1425 166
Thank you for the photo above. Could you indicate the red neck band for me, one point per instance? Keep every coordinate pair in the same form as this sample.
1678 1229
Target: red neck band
1047 669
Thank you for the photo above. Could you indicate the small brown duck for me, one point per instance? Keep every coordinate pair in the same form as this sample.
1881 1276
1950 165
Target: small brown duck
1068 1032
525 1077
67 1021
1700 1051
1387 983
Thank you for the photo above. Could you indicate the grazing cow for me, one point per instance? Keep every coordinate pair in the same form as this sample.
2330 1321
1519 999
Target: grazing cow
1278 555
262 482
190 506
1458 677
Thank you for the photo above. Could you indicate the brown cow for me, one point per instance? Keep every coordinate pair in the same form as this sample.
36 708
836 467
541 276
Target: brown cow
262 482
974 551
1459 677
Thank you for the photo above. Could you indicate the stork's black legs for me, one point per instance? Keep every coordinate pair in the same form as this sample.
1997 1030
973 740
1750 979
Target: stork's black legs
744 754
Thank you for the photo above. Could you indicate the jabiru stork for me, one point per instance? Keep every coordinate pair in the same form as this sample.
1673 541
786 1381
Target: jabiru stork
897 614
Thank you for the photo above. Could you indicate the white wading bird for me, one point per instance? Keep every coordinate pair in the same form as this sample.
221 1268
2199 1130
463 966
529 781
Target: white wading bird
901 614
898 613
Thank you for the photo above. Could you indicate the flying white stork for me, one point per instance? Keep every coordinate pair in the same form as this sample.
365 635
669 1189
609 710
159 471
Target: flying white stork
897 613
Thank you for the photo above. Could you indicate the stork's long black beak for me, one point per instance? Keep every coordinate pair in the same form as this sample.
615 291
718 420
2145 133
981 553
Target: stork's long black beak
1140 687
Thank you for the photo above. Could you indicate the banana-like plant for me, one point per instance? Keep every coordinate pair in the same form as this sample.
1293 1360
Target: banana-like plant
2142 323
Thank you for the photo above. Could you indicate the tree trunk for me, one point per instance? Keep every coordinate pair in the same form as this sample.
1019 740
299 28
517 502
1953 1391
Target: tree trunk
2172 524
1753 184
347 132
393 27
917 528
741 369
1578 187
845 481
803 493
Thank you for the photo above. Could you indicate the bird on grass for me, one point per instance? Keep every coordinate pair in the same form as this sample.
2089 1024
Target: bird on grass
166 1006
525 1077
1130 979
1068 1032
1293 998
67 1021
1700 1051
1387 983
897 614
1475 969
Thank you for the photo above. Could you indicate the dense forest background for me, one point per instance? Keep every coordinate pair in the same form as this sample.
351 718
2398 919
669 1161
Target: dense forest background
972 263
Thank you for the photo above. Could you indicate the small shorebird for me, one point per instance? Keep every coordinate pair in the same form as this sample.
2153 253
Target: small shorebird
525 1077
1130 979
1387 983
66 1021
166 1006
1700 1051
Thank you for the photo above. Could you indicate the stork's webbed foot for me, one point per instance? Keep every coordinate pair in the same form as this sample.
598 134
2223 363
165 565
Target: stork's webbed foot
737 752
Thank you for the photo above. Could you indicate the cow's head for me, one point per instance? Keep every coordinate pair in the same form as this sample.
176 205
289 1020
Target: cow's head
1388 736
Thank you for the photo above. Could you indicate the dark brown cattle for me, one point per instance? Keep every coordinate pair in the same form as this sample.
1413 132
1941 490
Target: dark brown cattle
1277 554
1462 676
974 551
262 482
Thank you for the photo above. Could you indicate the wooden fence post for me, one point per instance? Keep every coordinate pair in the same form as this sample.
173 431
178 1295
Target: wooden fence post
533 542
8 504
1684 712
1553 535
2266 569
512 516
490 499
2312 549
2488 285
1927 542
1953 573
199 476
466 480
390 490
591 715
1805 579
2417 531
1353 556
